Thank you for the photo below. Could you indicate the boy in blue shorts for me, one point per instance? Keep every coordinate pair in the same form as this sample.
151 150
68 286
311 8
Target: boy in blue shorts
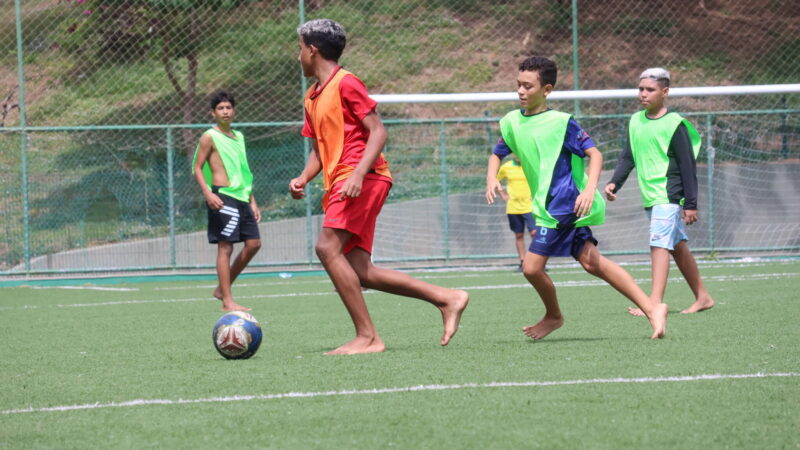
551 147
221 170
518 204
662 146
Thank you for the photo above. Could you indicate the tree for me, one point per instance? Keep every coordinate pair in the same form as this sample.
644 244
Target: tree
169 30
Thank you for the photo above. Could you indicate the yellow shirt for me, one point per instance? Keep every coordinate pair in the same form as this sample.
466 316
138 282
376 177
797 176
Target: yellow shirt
519 193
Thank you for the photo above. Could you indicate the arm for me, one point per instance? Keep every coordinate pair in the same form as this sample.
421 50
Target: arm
502 174
492 185
254 207
204 151
313 167
377 139
500 151
621 172
684 155
583 204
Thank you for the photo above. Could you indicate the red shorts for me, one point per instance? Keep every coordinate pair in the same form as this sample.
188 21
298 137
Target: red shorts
358 215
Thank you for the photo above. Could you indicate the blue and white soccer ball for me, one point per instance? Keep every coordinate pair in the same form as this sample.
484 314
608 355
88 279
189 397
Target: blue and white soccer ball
237 335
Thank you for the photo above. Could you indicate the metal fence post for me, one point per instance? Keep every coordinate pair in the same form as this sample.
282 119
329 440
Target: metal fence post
784 129
489 130
171 198
575 65
444 180
23 141
710 156
301 13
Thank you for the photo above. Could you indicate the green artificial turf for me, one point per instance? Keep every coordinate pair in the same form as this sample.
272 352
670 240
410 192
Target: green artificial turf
80 346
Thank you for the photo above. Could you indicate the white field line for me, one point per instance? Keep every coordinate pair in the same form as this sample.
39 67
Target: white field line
295 282
420 277
394 390
89 288
572 283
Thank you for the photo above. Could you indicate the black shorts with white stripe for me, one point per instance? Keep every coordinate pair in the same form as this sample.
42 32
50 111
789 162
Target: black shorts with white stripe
235 222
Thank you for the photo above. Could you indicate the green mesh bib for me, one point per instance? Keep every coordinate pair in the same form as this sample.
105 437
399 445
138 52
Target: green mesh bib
537 141
650 140
234 158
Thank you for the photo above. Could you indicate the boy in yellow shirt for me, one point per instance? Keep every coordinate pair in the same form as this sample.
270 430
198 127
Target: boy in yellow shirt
518 204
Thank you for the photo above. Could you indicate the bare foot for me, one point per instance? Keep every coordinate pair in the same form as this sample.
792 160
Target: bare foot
701 304
233 306
360 345
544 327
217 293
635 311
659 321
451 315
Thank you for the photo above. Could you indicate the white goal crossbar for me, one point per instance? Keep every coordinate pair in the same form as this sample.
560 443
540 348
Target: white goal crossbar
587 94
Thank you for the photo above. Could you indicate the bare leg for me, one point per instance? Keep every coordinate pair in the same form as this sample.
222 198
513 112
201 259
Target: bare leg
224 251
519 242
329 249
688 267
659 270
602 267
251 247
533 269
450 302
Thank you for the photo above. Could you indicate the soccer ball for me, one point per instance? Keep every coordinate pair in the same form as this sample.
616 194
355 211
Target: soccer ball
237 335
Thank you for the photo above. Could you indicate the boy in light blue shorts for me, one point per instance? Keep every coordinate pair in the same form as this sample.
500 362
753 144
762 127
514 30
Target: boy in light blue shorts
663 146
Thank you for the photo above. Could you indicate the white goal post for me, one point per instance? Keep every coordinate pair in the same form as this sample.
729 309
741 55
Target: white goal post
588 94
748 171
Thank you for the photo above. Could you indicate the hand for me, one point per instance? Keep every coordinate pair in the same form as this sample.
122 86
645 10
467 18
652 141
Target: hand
297 187
214 202
256 212
689 216
609 190
583 204
492 188
351 186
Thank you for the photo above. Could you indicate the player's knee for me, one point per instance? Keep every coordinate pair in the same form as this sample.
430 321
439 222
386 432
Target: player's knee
324 251
253 246
533 273
591 265
224 249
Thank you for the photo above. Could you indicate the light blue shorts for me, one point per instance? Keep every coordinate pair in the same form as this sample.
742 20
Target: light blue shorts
666 227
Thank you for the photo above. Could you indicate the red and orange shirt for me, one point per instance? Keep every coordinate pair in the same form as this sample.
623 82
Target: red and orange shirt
333 115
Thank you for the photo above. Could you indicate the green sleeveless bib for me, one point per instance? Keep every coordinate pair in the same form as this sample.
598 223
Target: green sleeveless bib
650 140
537 141
234 158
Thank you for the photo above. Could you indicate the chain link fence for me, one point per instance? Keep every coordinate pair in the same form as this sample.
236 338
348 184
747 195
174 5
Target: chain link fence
114 99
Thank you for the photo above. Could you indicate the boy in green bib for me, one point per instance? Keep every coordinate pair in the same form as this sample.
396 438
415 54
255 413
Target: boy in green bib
551 147
662 146
221 170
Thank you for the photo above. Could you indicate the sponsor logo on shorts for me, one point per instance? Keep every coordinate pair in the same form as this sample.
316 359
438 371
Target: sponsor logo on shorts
655 237
542 235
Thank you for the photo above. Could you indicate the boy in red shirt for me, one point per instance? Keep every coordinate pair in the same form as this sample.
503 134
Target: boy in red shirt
347 139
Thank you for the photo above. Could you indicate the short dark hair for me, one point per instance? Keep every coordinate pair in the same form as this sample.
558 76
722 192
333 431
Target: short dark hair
222 96
547 69
326 35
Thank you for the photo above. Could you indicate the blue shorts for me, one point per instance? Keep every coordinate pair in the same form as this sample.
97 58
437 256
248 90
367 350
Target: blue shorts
518 222
561 241
666 226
